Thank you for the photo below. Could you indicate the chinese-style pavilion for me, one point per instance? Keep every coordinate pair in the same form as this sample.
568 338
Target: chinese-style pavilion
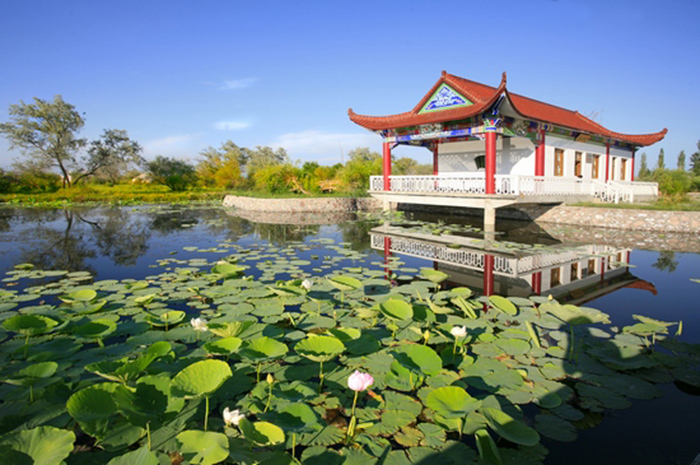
492 148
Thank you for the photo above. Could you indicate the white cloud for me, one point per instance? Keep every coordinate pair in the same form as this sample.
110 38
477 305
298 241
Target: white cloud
178 146
324 147
238 83
231 125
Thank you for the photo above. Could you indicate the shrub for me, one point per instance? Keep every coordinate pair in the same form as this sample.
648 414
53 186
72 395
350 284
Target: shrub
695 185
674 184
276 179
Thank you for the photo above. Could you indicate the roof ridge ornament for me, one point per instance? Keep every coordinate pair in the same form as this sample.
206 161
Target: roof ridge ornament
504 79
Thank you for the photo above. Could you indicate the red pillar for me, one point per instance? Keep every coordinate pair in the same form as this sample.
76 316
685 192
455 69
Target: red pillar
632 176
491 162
537 283
607 161
435 159
539 154
386 165
488 275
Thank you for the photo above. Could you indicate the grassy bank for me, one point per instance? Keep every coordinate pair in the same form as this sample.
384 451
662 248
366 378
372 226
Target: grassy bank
125 194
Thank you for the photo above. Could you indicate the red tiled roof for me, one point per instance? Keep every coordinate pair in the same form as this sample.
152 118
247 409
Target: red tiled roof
482 97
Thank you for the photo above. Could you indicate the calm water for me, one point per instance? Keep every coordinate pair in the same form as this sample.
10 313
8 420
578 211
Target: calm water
118 243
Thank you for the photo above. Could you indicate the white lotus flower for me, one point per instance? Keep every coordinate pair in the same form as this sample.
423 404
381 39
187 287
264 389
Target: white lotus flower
306 284
459 331
232 417
199 324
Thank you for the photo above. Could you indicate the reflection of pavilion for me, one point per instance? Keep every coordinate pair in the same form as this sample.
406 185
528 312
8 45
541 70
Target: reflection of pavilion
573 274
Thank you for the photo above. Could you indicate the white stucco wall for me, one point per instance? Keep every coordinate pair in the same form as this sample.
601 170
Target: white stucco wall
516 155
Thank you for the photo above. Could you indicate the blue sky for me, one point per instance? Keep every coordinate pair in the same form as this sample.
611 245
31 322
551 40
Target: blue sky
183 75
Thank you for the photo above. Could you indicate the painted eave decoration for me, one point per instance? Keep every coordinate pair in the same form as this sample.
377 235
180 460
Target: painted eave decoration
453 98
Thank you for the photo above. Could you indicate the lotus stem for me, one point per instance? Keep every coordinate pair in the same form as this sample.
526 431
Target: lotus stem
257 377
294 444
31 393
320 379
206 412
269 398
354 402
571 342
26 345
291 320
100 343
148 434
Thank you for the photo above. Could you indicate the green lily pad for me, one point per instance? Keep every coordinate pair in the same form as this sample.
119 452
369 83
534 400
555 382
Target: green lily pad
509 428
46 445
96 329
92 408
262 432
320 348
29 325
345 283
140 456
503 304
203 447
225 346
451 402
396 309
432 275
419 359
200 379
263 348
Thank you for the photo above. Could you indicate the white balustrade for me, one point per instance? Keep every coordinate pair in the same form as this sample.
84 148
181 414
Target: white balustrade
612 191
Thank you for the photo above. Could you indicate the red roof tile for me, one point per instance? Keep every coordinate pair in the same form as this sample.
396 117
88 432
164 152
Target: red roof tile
482 97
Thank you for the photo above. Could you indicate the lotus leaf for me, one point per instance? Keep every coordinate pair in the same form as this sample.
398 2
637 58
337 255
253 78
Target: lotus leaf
432 275
555 428
419 359
200 379
96 329
297 418
262 432
345 283
140 456
201 447
92 407
45 445
488 451
229 329
396 309
509 428
503 304
227 270
39 370
451 402
169 318
320 348
29 325
225 346
263 348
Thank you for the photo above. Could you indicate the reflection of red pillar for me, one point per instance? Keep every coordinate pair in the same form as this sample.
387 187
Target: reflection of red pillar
435 159
490 162
387 255
537 283
386 165
488 275
539 154
628 260
602 269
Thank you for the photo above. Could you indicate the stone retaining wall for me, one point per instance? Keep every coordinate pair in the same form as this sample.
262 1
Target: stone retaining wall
303 205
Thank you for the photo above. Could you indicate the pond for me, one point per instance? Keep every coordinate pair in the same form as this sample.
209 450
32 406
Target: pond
148 264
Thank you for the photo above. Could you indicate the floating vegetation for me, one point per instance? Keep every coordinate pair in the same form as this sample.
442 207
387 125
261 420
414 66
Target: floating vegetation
265 356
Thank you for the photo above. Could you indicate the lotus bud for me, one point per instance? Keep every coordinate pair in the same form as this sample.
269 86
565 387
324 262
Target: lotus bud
459 331
359 381
270 378
550 298
232 417
199 324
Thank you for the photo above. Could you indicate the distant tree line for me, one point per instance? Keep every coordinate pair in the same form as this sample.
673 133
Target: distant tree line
674 183
46 133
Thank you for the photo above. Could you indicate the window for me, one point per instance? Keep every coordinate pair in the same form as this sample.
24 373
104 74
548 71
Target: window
555 277
595 166
578 165
574 271
480 162
558 162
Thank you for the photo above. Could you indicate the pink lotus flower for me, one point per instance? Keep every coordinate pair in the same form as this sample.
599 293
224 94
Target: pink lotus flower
359 381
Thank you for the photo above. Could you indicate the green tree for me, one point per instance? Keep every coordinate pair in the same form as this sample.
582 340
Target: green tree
695 161
644 172
111 156
222 167
681 160
661 163
178 175
362 164
264 156
46 132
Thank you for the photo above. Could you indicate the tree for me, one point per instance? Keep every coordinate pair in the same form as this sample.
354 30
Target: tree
46 132
695 161
222 167
681 160
111 155
178 175
264 156
644 172
361 165
661 164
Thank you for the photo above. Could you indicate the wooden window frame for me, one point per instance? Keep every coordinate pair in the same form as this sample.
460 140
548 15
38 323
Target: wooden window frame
558 162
